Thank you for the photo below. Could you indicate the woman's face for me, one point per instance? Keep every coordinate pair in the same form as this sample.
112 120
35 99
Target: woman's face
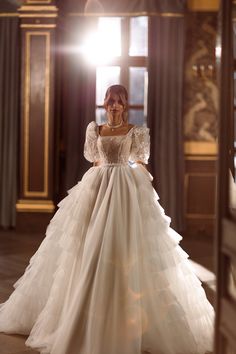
114 108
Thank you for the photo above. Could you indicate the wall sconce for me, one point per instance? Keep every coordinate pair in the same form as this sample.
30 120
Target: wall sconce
203 71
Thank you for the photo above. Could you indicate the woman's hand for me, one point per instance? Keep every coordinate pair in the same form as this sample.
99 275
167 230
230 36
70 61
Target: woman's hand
97 163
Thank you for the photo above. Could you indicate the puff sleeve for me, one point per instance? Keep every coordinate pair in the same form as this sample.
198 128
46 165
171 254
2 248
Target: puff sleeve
140 148
90 147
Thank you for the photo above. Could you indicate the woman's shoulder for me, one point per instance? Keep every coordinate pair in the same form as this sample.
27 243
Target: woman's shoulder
140 130
92 129
92 125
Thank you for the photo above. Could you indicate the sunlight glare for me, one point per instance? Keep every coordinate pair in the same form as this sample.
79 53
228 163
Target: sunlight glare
101 46
218 51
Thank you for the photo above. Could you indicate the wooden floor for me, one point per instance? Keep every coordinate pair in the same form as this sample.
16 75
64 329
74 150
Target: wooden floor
16 250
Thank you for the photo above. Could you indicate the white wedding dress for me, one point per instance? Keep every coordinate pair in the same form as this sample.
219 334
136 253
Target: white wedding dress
110 277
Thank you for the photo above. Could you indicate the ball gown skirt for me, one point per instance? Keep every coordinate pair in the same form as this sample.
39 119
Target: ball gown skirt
110 276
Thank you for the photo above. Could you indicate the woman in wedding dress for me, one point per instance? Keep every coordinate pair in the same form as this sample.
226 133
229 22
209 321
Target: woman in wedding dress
110 276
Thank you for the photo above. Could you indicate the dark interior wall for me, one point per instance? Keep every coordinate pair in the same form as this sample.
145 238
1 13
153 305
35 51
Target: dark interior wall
9 5
74 103
126 6
9 111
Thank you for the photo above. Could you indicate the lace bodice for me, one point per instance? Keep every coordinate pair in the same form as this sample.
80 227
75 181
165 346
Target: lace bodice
134 146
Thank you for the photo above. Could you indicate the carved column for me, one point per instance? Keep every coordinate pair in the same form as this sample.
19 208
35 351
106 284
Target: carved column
38 24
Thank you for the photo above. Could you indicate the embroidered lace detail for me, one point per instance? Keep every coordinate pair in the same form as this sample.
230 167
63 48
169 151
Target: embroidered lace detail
90 147
133 146
140 149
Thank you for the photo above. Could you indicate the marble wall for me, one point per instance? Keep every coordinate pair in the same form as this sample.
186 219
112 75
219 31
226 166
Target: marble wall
200 90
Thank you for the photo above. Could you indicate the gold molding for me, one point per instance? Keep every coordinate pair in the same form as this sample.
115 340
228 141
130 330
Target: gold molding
203 5
200 148
27 192
167 14
124 14
201 158
38 8
38 26
38 15
23 15
38 1
9 14
45 206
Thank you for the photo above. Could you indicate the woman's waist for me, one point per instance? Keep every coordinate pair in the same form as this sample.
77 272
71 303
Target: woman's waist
110 164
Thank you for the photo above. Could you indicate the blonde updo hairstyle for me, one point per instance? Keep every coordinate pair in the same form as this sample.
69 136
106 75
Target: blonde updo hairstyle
123 95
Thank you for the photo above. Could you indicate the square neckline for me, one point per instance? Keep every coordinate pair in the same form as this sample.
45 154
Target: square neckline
111 136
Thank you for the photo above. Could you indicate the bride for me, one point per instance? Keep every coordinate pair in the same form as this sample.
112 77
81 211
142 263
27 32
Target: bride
110 277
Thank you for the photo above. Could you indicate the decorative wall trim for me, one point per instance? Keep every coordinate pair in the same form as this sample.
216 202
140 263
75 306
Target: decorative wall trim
27 81
200 148
21 15
38 1
121 14
38 15
38 8
201 158
203 5
45 206
187 177
9 14
37 26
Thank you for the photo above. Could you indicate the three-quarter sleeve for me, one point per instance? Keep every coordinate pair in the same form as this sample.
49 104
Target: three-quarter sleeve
140 148
90 147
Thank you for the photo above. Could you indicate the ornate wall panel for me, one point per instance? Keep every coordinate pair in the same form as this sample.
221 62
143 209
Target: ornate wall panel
201 93
200 194
203 5
200 188
200 121
39 2
37 107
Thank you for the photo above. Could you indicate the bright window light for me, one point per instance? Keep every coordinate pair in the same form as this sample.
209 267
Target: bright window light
138 36
101 46
218 51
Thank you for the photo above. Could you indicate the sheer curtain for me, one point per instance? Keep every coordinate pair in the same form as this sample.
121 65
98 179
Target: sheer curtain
9 113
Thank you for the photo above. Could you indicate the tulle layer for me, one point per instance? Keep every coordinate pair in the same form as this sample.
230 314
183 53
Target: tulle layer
110 276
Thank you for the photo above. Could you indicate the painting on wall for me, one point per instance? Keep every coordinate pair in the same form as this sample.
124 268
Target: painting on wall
201 92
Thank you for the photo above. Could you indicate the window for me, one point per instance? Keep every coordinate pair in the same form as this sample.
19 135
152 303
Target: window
126 44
